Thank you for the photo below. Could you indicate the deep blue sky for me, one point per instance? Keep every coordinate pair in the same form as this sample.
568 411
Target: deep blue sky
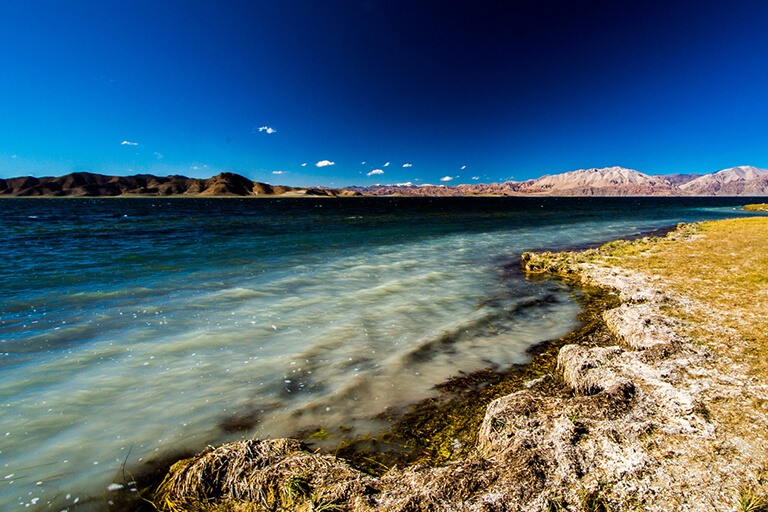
507 89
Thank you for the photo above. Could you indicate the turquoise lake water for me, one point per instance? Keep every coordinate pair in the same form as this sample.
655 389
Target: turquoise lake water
130 328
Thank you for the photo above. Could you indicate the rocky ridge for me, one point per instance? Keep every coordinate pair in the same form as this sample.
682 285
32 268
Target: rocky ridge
83 184
630 431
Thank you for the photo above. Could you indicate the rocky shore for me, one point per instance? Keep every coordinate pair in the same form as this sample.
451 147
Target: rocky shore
654 410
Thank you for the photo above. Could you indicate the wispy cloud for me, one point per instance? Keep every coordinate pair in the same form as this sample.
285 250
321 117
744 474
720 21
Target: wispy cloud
158 155
277 172
324 163
386 164
463 167
407 165
375 171
304 164
267 129
362 163
446 178
126 143
475 177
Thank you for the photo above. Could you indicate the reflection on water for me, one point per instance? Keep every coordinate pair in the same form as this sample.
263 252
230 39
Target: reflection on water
133 327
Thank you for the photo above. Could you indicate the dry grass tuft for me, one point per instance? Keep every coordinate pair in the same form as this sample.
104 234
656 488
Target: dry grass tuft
751 501
260 475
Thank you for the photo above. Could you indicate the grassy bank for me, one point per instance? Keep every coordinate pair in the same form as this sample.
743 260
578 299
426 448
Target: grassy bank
722 271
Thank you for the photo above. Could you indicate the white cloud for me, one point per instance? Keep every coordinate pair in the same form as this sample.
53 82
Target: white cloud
324 163
158 155
362 163
407 165
386 164
375 171
277 172
126 143
446 178
14 156
463 167
304 164
475 177
267 129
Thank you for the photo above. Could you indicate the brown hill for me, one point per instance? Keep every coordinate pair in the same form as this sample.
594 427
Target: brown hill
84 184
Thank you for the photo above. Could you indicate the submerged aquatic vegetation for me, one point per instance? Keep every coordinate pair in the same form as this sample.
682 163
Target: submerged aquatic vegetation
444 427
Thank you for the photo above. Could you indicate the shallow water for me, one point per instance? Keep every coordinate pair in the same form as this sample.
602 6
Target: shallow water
132 327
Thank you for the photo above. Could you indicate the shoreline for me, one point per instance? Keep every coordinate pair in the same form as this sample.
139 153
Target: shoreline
620 423
464 397
419 436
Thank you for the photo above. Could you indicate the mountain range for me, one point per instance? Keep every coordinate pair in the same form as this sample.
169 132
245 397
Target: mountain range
84 184
609 181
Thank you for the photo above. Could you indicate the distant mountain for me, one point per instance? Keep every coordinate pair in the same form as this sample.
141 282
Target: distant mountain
677 179
610 181
84 184
736 181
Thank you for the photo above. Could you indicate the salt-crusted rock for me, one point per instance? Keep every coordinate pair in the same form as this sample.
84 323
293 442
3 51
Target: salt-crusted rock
589 370
641 326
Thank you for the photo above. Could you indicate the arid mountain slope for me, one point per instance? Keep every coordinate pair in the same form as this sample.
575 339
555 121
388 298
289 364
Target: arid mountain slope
677 179
83 184
736 181
610 181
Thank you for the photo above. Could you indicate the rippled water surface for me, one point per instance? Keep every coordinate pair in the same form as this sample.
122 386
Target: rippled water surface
134 327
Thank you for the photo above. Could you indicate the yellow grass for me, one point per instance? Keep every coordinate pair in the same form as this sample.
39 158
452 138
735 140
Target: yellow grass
723 267
720 272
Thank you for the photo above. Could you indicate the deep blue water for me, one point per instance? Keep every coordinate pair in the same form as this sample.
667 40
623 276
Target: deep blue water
140 325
